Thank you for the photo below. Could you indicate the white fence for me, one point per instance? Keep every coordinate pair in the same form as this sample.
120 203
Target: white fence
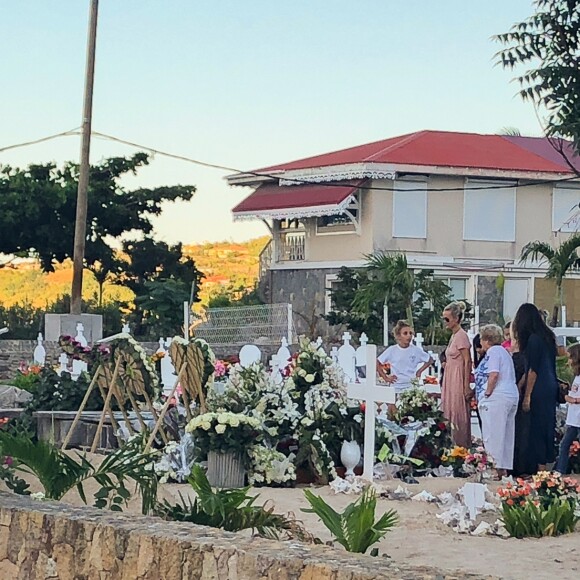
263 324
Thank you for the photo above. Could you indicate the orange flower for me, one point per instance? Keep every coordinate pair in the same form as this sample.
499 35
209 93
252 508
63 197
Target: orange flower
510 502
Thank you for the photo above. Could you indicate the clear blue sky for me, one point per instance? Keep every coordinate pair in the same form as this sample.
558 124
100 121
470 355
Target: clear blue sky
247 84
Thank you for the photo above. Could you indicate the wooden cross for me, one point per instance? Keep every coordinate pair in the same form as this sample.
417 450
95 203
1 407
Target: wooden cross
371 393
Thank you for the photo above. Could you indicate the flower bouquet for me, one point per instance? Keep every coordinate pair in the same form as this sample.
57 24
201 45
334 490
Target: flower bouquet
223 438
478 463
455 458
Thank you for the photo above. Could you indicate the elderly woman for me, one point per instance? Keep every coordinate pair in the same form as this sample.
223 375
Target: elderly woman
498 403
455 388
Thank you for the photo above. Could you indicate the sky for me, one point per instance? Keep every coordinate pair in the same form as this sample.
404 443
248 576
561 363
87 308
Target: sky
249 84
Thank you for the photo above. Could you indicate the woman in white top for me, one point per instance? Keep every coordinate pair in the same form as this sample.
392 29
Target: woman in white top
407 360
499 403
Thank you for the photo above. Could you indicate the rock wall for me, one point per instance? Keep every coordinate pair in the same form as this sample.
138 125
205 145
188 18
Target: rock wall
46 540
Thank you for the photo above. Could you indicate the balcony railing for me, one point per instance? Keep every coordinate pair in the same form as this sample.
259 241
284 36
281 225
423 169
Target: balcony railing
291 247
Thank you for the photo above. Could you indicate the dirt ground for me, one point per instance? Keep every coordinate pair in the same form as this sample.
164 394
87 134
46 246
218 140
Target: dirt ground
421 538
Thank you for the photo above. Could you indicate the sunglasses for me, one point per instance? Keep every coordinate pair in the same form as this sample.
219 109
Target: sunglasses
446 319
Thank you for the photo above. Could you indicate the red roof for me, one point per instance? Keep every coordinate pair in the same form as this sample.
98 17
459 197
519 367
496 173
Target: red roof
445 149
274 197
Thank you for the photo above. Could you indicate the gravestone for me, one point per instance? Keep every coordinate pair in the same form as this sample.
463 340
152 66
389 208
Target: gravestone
283 354
361 356
347 358
39 352
57 325
370 393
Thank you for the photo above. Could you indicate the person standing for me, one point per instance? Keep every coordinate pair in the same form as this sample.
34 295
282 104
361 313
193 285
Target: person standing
540 391
455 389
573 417
407 360
499 401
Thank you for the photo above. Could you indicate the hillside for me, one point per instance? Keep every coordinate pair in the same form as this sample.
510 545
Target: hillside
225 264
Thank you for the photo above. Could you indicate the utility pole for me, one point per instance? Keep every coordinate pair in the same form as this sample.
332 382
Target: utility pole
82 197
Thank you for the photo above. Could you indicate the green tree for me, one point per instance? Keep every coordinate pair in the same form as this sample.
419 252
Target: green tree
548 43
389 277
37 208
148 265
560 261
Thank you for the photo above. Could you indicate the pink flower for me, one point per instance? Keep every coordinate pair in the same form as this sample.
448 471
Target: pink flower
219 368
8 460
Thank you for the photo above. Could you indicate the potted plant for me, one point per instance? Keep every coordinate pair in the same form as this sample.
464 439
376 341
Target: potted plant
223 438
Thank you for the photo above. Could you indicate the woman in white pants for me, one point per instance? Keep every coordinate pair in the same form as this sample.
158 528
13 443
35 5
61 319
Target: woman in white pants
499 403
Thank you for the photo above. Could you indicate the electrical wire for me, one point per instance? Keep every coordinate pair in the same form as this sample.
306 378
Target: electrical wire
74 131
296 181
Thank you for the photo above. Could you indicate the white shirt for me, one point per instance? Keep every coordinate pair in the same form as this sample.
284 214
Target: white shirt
573 417
500 361
404 363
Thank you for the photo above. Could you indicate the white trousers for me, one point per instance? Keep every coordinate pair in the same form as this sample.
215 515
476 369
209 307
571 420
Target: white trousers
498 425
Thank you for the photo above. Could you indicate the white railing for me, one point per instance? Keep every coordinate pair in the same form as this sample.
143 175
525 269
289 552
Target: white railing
291 247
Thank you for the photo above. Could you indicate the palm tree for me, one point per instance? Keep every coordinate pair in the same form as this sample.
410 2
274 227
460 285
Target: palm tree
389 274
560 261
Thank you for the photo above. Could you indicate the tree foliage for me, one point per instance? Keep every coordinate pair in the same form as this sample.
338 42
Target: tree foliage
548 44
38 205
559 260
359 296
162 279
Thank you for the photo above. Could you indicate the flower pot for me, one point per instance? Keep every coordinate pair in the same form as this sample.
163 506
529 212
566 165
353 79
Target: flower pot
225 470
350 456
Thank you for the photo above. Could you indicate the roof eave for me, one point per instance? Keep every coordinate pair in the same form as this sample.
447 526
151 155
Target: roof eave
384 171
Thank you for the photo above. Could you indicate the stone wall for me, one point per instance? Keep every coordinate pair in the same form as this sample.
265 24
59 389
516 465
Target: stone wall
13 352
46 540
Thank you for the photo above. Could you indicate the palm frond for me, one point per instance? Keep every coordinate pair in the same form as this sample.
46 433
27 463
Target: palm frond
538 252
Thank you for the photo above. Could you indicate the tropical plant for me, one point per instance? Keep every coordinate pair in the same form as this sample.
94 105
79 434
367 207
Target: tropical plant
560 261
59 472
389 274
548 41
229 509
355 527
546 506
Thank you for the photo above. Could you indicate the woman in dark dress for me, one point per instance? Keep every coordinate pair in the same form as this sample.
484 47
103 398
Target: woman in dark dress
540 390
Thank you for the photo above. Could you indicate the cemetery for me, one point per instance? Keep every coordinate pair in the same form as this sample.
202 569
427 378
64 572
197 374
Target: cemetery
306 427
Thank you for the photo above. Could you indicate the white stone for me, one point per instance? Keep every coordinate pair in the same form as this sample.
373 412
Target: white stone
283 354
474 498
80 337
347 358
39 352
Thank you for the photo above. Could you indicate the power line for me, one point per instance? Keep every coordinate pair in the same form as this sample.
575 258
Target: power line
276 177
42 139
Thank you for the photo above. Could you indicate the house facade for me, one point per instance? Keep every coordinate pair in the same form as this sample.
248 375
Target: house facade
463 205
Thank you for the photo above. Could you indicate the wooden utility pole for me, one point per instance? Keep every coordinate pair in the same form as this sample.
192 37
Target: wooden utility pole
82 197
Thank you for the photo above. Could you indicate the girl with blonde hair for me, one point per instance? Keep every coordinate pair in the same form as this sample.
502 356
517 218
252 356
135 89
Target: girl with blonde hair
407 360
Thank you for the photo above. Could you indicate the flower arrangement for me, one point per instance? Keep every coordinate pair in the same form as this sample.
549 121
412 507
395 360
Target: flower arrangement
223 432
268 466
27 376
415 405
546 506
455 458
477 462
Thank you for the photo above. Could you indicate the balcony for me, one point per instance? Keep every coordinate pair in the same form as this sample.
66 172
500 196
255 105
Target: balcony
291 247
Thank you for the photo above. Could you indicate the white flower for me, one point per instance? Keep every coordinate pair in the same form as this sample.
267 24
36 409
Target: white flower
39 496
309 378
222 418
220 429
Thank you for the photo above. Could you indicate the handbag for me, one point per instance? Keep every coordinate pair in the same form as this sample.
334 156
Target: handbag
563 390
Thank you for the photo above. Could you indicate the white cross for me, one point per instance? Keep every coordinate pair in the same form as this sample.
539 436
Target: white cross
275 369
346 337
370 392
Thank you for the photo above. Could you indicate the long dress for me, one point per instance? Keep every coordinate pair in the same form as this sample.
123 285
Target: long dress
541 358
523 463
455 408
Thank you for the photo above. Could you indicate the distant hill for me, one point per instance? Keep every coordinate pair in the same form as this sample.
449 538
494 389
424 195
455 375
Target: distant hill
225 264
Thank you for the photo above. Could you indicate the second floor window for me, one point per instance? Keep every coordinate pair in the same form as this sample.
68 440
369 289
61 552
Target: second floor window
489 211
410 209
